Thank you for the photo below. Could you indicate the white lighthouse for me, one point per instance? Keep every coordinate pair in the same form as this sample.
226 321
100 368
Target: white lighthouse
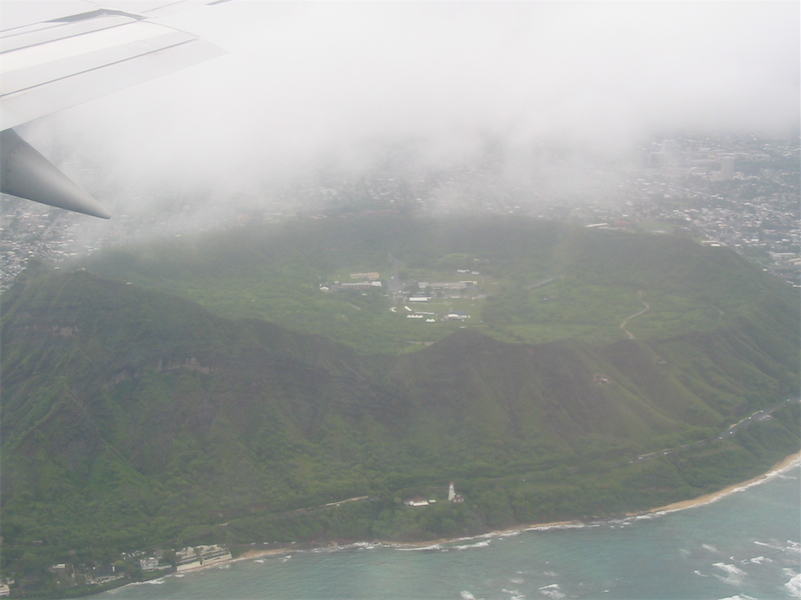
451 493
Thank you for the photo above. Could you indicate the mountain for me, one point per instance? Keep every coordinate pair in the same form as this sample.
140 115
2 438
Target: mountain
132 418
530 280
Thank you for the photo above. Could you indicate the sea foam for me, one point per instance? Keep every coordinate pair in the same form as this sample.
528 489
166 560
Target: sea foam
734 575
560 526
552 591
483 544
431 548
793 586
758 560
730 569
771 546
158 581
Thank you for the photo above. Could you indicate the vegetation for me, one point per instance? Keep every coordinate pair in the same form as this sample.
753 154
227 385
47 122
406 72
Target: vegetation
537 281
133 418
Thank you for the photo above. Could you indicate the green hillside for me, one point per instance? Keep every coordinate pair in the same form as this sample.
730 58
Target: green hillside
132 418
536 281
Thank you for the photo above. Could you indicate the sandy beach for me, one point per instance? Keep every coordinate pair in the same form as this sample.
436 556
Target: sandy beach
777 469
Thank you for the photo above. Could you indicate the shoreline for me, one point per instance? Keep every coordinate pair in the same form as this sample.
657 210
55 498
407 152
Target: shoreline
786 464
777 469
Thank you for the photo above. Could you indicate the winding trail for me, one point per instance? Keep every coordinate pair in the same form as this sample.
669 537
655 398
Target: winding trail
626 320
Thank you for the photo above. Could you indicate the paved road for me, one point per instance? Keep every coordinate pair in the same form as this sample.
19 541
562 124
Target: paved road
757 417
626 320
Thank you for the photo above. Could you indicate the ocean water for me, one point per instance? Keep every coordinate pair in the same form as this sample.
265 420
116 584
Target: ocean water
744 546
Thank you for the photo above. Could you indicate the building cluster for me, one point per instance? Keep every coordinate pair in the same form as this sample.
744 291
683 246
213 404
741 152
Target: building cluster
743 194
421 293
131 565
368 281
418 500
31 230
416 293
192 558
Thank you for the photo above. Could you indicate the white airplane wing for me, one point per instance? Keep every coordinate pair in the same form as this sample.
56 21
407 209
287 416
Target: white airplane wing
54 55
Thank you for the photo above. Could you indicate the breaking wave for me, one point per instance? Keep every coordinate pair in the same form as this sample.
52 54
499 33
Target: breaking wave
552 591
734 576
793 586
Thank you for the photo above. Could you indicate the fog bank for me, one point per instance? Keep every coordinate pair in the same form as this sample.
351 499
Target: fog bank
342 84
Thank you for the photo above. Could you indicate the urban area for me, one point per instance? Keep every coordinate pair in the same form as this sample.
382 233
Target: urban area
742 193
134 566
737 192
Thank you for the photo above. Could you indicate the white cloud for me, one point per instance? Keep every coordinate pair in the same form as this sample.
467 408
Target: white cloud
305 81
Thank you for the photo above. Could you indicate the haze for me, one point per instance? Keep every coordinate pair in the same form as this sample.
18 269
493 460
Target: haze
339 84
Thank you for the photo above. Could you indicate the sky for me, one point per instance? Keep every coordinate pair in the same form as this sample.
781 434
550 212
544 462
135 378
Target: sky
338 83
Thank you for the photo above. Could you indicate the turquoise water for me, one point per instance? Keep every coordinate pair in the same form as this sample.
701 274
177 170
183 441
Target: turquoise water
747 545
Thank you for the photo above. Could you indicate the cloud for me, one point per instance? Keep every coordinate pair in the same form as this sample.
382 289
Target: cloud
329 81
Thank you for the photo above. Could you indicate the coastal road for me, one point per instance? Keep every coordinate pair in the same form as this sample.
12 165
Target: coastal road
758 417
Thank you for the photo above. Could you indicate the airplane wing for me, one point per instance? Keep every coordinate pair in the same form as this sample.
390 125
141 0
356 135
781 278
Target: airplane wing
54 55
